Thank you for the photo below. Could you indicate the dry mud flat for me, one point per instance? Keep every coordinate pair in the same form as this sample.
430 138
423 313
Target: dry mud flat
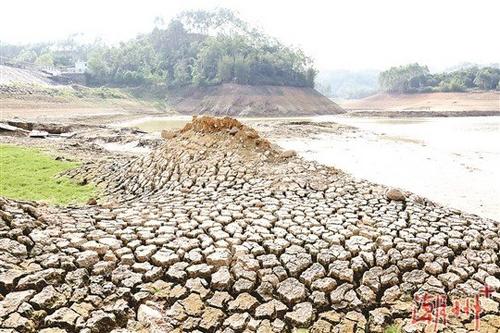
217 231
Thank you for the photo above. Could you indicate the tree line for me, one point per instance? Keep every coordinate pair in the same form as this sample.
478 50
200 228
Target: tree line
414 78
195 48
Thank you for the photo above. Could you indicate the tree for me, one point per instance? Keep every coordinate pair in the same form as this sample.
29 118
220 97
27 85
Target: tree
487 78
28 56
46 59
195 48
403 79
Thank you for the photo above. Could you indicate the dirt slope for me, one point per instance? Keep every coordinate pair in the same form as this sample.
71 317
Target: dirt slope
245 100
468 101
10 75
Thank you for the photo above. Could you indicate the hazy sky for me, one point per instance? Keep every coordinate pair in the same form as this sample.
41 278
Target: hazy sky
347 34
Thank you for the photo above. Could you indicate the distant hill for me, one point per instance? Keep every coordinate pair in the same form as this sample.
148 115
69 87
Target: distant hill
346 84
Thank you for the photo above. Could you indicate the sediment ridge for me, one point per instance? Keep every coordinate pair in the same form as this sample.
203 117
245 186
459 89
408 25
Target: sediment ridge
217 230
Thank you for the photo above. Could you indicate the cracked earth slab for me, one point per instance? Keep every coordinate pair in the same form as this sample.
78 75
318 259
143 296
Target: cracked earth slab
217 231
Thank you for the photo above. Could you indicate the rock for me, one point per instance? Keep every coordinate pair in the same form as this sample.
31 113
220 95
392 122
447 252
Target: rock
83 309
92 202
322 326
15 248
101 321
122 276
492 282
301 316
49 299
9 277
343 297
243 303
220 299
193 305
219 258
110 242
379 319
366 295
147 313
222 279
63 317
211 319
325 284
237 321
87 259
340 270
489 306
288 153
395 195
270 310
177 271
19 323
144 252
233 130
315 272
292 291
319 299
40 279
77 278
13 300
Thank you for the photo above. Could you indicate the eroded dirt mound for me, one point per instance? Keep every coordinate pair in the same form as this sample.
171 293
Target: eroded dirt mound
225 126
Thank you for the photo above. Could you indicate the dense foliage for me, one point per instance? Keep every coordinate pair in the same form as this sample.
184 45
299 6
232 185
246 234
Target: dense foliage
415 78
195 48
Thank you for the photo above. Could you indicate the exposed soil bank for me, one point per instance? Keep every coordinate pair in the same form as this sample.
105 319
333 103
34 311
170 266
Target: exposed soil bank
430 104
252 101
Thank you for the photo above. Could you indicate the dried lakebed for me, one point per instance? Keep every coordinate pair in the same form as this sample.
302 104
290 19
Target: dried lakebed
217 231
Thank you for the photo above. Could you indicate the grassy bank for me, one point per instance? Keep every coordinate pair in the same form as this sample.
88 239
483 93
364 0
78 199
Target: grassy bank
29 174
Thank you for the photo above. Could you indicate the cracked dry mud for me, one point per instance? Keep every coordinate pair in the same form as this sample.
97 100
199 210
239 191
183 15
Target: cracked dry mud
216 231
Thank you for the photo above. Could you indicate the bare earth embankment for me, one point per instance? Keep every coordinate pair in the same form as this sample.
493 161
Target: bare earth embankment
429 104
252 101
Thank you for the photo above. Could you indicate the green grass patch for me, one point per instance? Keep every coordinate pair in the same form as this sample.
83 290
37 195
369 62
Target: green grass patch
29 174
392 329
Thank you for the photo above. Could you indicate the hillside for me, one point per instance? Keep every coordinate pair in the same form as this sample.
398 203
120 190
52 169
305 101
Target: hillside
255 101
455 102
10 75
29 99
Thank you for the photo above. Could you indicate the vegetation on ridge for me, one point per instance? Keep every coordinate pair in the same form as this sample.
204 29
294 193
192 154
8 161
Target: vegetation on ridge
414 78
195 48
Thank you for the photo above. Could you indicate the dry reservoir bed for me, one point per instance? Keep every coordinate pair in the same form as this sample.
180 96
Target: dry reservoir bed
217 231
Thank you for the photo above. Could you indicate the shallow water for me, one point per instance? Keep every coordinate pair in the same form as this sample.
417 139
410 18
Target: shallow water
453 161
